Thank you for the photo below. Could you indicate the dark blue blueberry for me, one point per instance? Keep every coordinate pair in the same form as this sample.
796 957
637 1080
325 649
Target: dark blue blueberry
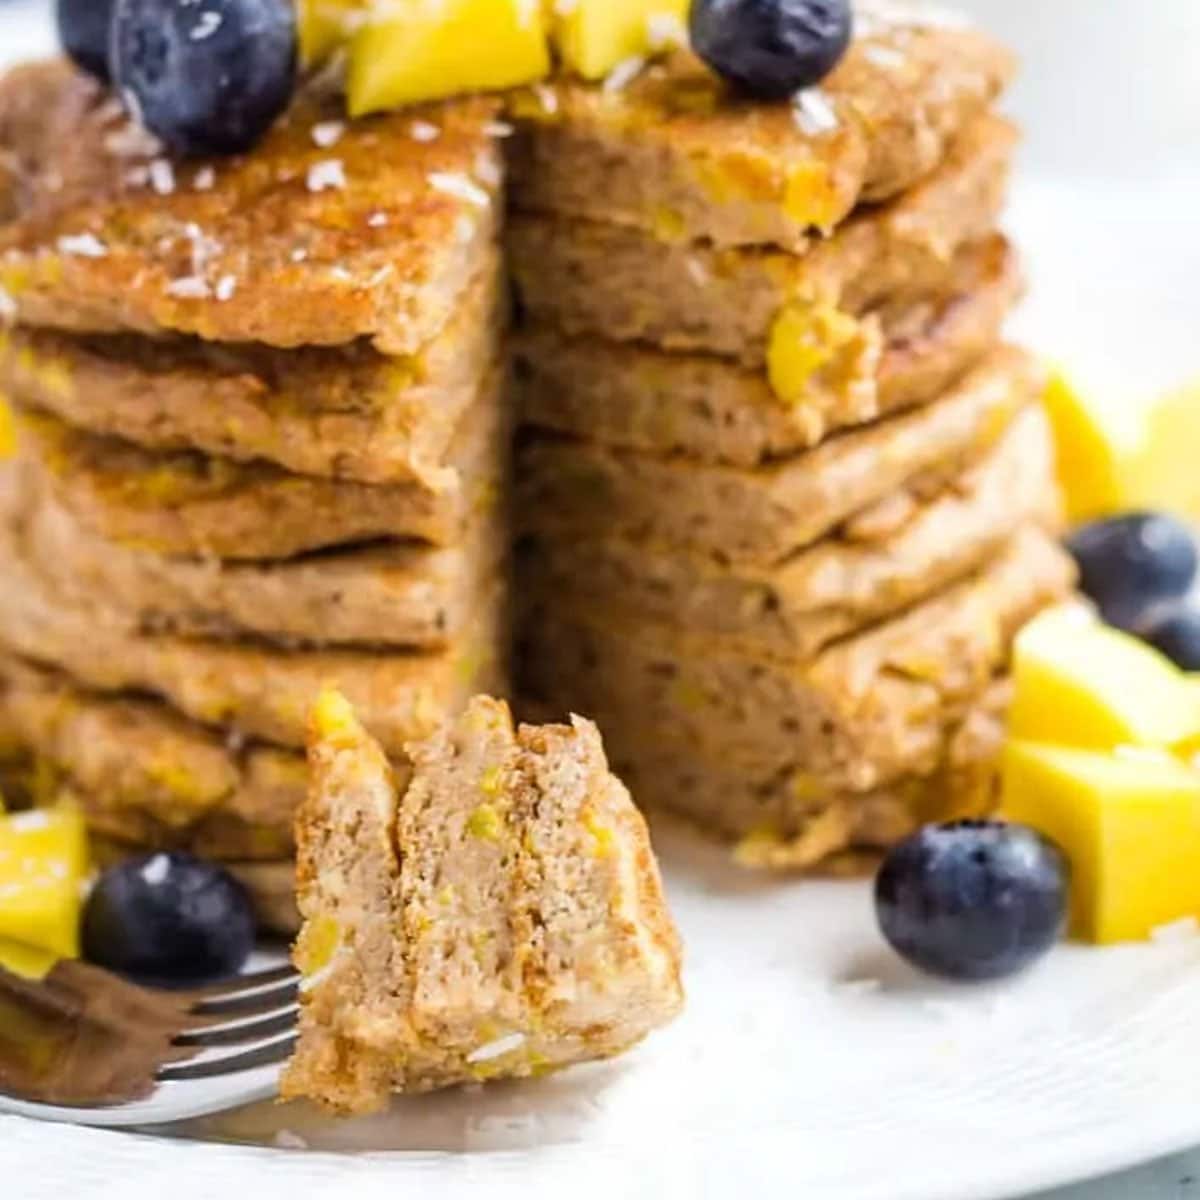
206 76
169 920
973 900
1130 565
83 32
1175 631
771 48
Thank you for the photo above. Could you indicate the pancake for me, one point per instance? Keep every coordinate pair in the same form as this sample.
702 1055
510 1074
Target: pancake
908 546
764 514
674 152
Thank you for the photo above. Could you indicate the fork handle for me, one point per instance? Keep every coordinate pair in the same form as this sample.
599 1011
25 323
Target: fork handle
82 1036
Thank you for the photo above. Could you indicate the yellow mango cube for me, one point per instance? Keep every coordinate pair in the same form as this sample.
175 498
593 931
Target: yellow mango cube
1128 822
431 49
805 339
1096 440
324 25
1119 452
43 862
1079 683
28 962
595 36
1163 472
8 429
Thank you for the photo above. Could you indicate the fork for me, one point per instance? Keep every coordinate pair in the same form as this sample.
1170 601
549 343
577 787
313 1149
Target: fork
83 1047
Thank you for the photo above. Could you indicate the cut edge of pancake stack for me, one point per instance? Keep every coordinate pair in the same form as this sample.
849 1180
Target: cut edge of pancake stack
785 498
262 434
784 494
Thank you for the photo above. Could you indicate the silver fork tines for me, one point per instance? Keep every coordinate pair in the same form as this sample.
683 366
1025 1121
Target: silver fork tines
127 1056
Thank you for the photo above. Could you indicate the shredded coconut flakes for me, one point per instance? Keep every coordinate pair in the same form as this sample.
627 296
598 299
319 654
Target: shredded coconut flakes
156 870
311 982
884 56
326 175
206 25
424 131
162 177
623 74
191 287
461 186
497 1049
328 133
814 113
82 245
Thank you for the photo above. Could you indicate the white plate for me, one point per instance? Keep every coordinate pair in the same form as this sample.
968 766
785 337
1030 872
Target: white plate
810 1063
788 1075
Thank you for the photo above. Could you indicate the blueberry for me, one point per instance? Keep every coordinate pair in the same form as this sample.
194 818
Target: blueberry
169 920
1175 630
973 900
205 76
771 48
1132 564
83 31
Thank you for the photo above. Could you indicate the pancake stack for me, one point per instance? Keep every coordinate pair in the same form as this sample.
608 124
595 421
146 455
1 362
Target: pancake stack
786 497
261 446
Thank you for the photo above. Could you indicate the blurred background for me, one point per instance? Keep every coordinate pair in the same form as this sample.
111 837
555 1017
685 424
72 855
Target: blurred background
1110 88
1107 207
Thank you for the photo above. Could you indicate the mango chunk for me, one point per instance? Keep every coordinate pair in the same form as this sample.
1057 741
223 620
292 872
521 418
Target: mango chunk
28 962
432 49
1095 442
805 339
1079 683
1128 822
595 36
333 717
324 25
43 863
1163 474
8 429
1120 452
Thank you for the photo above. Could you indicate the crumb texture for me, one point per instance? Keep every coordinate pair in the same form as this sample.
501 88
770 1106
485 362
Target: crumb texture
493 911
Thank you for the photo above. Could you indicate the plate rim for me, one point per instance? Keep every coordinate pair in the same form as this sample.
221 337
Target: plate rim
274 1171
